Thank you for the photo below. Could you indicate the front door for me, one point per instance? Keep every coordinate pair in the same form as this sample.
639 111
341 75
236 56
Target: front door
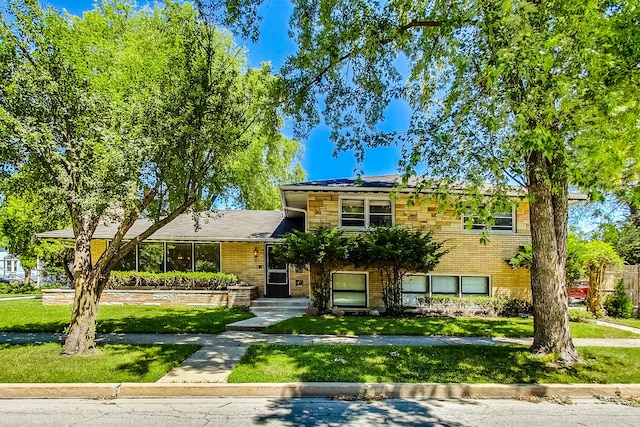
277 276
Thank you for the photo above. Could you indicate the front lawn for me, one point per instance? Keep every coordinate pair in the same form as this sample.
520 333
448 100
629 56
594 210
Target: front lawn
43 363
445 326
445 364
32 316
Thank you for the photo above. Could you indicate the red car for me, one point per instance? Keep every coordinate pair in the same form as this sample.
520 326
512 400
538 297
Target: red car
578 292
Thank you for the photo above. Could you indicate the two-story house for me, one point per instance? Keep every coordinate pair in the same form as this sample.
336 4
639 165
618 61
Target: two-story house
241 242
469 268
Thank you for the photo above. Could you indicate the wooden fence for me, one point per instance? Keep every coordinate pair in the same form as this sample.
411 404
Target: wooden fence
631 280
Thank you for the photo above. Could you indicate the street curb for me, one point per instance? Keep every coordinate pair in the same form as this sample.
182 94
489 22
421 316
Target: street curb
291 390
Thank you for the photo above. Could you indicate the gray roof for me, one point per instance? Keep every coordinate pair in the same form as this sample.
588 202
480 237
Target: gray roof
388 182
224 225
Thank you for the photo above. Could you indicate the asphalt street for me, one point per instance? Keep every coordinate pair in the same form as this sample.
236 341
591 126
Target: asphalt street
231 412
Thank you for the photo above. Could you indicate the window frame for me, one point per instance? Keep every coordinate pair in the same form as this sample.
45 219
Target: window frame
366 289
367 211
460 294
479 227
194 255
414 293
165 244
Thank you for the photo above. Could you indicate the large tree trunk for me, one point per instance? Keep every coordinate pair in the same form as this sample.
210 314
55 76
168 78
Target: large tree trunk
549 211
81 336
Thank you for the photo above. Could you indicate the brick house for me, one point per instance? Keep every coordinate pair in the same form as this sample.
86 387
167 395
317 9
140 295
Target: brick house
240 242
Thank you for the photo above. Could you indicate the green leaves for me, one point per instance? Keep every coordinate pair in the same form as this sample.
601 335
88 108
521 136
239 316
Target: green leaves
130 111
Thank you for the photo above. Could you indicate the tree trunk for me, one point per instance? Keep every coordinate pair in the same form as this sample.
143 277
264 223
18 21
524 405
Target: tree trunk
81 336
548 213
595 299
27 275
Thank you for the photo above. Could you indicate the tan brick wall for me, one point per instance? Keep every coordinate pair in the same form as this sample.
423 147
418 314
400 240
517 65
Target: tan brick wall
301 290
97 249
238 258
324 209
467 255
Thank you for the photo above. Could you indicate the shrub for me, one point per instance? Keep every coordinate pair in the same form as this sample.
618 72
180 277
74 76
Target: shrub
18 288
618 304
174 280
514 307
580 315
483 306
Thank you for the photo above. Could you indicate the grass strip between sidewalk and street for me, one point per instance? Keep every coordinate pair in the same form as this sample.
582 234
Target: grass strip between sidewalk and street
32 316
504 364
428 326
43 363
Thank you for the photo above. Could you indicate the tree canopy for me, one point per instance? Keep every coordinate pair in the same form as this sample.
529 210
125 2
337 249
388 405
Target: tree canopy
20 220
132 111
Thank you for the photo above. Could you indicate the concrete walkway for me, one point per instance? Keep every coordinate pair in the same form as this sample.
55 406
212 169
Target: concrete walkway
615 325
220 353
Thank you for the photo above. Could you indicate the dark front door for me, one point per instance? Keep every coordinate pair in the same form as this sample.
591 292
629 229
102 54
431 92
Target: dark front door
277 276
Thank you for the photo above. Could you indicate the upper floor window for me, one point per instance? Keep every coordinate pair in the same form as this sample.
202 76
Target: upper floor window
362 213
503 221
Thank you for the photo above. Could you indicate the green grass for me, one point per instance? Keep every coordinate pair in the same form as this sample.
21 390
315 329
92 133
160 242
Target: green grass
32 316
634 322
14 295
445 326
456 364
43 363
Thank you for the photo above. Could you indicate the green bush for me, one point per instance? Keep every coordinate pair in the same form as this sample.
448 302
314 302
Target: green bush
580 315
18 288
474 306
618 304
514 307
173 280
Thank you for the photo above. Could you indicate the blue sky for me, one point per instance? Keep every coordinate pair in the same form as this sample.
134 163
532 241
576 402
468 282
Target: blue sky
274 46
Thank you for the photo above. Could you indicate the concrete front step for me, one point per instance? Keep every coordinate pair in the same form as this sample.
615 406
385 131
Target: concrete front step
281 302
265 311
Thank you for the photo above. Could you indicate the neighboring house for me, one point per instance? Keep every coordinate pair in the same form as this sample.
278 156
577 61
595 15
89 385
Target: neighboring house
10 267
240 242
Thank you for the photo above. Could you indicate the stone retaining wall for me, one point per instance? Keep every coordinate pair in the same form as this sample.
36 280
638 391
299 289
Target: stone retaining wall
234 296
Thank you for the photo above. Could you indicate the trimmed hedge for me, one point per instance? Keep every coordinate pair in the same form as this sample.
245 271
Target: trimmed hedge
443 305
174 280
580 315
18 288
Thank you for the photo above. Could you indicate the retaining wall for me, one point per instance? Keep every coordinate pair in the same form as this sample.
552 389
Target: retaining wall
234 296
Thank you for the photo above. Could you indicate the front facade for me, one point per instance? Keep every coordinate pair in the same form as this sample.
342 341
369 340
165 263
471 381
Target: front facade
469 268
240 242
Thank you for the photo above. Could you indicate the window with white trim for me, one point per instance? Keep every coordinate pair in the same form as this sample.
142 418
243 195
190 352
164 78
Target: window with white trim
445 285
417 286
349 289
414 287
503 221
474 285
363 213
